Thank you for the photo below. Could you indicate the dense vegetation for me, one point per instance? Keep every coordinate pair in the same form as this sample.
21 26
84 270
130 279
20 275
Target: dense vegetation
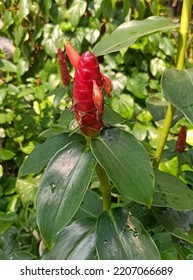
35 106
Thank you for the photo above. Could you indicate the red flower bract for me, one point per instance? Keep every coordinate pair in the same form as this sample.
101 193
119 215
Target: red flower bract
88 100
65 76
181 141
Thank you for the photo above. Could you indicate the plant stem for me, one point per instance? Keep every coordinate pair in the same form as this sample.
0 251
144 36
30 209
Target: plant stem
164 134
178 166
182 41
104 187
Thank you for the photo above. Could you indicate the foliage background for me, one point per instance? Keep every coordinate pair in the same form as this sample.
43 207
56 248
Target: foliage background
34 104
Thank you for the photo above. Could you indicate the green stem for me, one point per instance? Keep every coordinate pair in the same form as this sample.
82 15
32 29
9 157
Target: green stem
104 187
182 41
178 166
164 134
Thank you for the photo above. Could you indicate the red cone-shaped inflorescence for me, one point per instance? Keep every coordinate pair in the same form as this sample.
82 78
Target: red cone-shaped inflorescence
64 73
88 100
181 141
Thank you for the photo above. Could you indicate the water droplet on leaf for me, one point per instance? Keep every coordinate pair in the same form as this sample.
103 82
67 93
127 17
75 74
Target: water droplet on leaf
73 125
53 187
136 233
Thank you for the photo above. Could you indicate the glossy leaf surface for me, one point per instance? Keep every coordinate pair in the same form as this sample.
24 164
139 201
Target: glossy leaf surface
177 87
120 236
43 153
128 32
76 242
179 223
62 189
126 163
91 206
171 192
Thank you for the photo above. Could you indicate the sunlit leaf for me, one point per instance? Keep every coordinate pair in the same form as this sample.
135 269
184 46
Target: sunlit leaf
43 153
127 33
76 10
62 189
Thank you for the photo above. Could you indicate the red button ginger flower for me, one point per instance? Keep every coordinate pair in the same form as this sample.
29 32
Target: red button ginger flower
181 141
88 99
64 73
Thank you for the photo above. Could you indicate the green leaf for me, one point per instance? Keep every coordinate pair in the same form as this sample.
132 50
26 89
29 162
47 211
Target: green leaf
76 11
165 245
184 248
6 154
51 36
62 189
126 163
76 242
3 256
157 106
111 117
7 66
140 131
8 19
43 153
9 240
124 105
157 67
22 66
27 189
22 255
179 223
19 33
2 96
177 87
46 5
171 192
91 206
6 220
127 33
24 9
120 236
137 84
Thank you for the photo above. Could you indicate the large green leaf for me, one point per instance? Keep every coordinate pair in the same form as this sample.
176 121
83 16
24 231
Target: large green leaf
76 242
43 153
120 236
177 87
127 33
171 192
126 163
179 223
62 189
